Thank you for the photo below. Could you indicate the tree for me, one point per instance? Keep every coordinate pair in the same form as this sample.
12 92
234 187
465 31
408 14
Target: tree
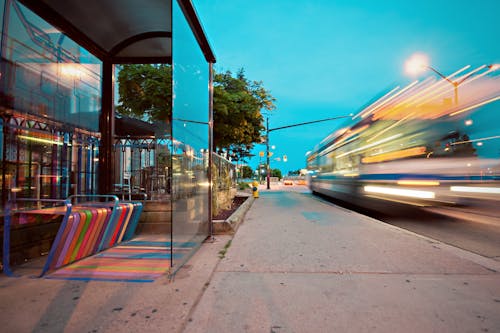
238 102
276 173
246 172
145 91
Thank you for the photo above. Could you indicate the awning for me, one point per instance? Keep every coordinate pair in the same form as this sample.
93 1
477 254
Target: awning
123 31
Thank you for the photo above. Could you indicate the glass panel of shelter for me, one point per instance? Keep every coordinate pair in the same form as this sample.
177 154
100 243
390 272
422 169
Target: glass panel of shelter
50 90
190 141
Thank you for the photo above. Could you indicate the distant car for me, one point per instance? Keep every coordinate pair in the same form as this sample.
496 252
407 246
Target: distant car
287 182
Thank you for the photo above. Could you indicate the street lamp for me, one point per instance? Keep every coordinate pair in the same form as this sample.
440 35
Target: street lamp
268 130
419 61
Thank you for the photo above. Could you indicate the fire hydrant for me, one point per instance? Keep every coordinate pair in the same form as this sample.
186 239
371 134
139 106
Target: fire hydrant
255 189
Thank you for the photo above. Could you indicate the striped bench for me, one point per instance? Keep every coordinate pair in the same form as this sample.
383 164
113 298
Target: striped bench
88 226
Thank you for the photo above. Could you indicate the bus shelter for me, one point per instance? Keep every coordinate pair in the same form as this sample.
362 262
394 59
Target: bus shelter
61 135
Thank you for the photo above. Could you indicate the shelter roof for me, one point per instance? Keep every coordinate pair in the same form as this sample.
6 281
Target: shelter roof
124 31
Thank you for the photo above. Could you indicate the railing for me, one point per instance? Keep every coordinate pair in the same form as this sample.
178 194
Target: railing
224 173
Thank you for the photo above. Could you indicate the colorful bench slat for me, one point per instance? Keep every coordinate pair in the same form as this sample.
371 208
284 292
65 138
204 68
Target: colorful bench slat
134 220
87 234
89 228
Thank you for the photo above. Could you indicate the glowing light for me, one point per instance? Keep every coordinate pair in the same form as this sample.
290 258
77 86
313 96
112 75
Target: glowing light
391 98
390 127
374 103
371 145
471 189
476 140
342 139
394 155
400 192
416 63
30 138
351 174
71 70
479 144
468 122
416 182
476 106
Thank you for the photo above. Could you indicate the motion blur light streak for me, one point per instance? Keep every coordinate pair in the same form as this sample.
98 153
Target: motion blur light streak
351 174
472 189
414 98
390 127
394 155
407 142
370 145
475 106
418 182
345 138
462 81
380 100
30 138
481 139
391 98
384 102
400 192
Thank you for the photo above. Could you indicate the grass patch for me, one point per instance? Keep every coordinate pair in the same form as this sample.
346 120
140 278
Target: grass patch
243 185
222 253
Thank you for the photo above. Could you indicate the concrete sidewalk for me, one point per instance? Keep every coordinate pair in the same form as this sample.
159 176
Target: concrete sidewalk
298 264
44 305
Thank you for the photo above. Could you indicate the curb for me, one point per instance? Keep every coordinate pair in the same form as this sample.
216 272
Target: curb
231 224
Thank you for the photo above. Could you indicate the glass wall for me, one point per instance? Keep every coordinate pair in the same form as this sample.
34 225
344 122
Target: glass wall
190 141
143 138
50 90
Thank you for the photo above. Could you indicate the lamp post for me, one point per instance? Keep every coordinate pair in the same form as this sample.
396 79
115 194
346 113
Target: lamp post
268 171
268 130
418 61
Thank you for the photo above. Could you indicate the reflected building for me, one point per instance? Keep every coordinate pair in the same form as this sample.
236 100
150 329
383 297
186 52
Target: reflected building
60 134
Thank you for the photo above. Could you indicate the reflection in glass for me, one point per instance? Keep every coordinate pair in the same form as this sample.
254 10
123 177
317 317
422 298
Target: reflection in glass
190 144
50 103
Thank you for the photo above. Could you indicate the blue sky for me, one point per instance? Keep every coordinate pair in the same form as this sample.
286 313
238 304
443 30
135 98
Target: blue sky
327 58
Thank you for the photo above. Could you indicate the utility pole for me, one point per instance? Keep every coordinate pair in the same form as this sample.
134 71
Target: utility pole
288 126
268 167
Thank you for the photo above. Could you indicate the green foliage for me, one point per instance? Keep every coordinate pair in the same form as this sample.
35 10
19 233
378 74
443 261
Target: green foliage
145 91
222 253
243 185
246 172
276 173
238 102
